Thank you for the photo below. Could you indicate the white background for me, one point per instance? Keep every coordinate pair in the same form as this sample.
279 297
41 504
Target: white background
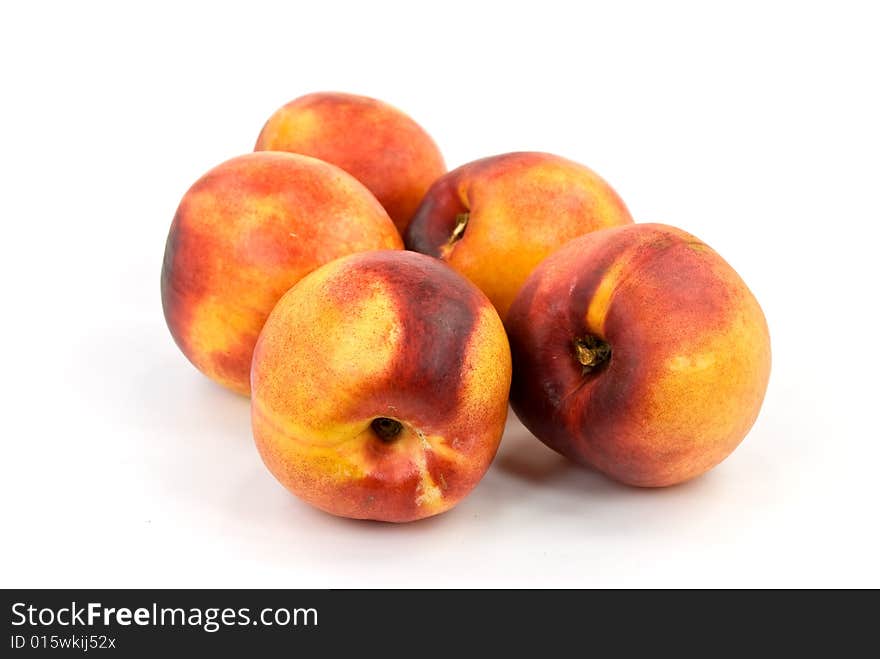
753 126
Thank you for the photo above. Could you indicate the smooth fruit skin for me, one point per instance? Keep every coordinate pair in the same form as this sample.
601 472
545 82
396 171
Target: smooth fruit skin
376 143
689 361
520 207
393 335
243 234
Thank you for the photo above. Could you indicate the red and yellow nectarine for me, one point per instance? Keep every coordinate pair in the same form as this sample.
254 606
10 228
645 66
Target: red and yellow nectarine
639 351
376 143
379 387
246 232
495 219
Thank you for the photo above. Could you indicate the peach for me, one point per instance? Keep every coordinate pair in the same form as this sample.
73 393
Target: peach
374 142
494 220
246 232
380 385
640 352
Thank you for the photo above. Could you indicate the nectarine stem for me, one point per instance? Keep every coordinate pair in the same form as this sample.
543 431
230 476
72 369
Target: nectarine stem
386 429
591 352
461 221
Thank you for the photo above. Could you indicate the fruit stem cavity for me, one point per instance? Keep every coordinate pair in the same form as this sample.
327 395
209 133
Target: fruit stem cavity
386 429
461 221
592 353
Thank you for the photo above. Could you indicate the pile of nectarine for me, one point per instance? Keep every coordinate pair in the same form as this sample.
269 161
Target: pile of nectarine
379 378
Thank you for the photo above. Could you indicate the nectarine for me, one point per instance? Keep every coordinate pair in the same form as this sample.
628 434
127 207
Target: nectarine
246 232
379 387
639 351
495 219
376 143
